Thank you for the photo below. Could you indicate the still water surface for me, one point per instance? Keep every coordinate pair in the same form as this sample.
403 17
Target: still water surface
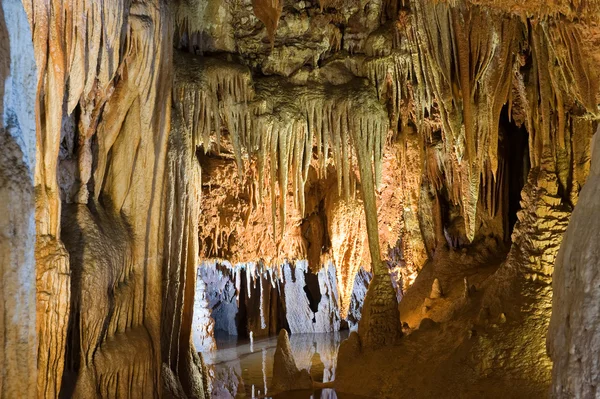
241 369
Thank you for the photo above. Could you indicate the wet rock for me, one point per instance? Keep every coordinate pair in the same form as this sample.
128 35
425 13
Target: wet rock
286 376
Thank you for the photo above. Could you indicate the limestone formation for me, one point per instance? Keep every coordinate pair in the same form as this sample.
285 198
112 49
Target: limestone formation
120 101
359 292
173 169
203 325
252 299
286 376
436 290
573 335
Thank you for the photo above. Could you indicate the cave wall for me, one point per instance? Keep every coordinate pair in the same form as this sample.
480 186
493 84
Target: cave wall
244 299
107 187
573 334
314 115
18 350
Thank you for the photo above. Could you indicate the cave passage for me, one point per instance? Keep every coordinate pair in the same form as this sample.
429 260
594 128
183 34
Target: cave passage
514 145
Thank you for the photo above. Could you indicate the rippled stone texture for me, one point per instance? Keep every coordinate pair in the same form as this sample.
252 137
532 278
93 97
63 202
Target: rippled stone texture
18 342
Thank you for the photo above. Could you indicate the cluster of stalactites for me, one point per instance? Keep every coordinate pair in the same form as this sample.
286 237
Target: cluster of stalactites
283 128
543 9
91 42
322 128
468 77
208 92
254 272
564 81
189 18
390 75
468 67
78 47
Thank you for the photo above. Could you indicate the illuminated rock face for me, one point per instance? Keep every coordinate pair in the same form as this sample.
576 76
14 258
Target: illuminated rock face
249 298
113 182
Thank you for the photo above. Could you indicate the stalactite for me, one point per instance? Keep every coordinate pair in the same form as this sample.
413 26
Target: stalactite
471 79
565 80
112 62
286 125
211 91
268 11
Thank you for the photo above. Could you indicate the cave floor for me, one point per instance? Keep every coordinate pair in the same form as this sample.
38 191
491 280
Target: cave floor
438 355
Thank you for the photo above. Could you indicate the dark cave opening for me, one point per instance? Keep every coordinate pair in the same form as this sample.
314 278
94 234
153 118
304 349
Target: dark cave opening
513 142
312 290
242 315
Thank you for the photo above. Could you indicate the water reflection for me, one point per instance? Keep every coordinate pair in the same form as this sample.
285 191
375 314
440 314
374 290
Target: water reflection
243 369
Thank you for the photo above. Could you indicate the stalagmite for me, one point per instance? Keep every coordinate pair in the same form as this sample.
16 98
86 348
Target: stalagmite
380 321
286 376
436 290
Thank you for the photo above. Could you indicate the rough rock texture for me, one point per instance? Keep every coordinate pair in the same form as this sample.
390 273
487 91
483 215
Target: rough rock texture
359 292
298 300
520 293
573 338
203 325
286 376
103 123
371 133
251 298
18 346
181 262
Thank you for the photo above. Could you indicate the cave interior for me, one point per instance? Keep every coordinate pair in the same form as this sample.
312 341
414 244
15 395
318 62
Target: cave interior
318 198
